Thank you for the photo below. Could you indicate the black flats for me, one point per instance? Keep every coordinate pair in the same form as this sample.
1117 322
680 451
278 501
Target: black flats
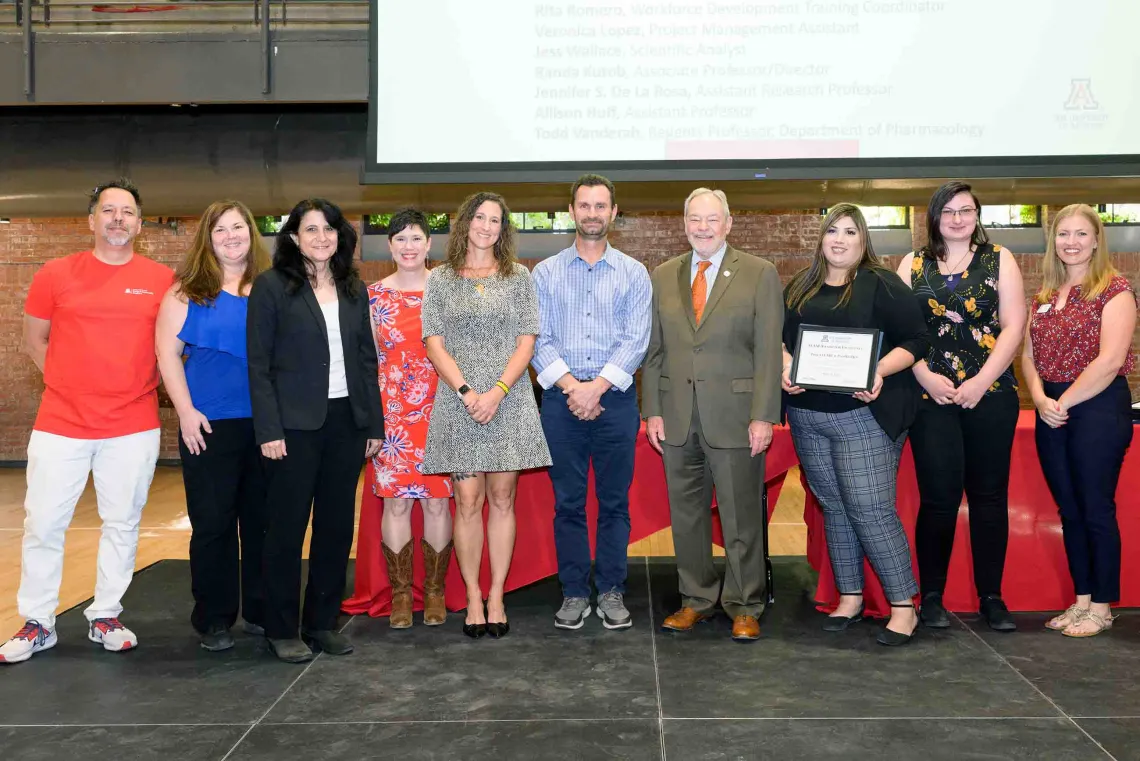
891 638
933 612
842 623
474 631
995 613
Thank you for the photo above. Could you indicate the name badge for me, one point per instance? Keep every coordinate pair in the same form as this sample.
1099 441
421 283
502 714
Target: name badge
1044 308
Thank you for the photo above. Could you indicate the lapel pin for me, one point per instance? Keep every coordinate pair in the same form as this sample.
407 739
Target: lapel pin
727 273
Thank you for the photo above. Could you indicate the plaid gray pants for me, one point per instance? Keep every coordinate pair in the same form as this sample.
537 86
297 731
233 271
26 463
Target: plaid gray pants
852 467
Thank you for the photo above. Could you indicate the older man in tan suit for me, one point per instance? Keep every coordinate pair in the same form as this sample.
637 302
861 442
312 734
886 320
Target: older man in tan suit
710 394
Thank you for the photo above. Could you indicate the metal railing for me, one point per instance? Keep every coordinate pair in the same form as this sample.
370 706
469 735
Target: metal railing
30 16
49 14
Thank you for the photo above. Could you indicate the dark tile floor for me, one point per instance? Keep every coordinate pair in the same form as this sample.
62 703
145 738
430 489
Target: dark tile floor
798 693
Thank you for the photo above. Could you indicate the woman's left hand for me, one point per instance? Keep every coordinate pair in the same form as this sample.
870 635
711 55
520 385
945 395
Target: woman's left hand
372 447
873 394
970 393
485 406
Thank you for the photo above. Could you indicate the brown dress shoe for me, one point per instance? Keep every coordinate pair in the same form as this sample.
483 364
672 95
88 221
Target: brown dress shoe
745 628
684 620
400 577
435 573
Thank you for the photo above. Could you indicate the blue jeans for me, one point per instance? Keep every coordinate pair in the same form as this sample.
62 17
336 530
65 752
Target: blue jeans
609 440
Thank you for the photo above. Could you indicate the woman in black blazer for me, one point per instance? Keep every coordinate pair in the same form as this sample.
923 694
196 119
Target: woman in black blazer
316 416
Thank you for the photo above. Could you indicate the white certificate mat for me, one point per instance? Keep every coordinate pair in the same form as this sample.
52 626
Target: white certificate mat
835 359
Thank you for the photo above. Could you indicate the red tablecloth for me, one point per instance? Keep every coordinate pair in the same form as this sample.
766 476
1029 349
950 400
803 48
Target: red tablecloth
1036 572
535 556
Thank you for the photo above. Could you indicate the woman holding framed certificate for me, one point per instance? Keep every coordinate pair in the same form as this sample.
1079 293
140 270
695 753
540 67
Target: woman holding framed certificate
851 333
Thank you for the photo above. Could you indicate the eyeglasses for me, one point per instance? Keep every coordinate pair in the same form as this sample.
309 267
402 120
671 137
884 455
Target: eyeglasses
968 212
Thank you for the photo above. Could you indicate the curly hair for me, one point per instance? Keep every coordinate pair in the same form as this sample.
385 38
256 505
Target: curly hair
288 259
199 274
505 247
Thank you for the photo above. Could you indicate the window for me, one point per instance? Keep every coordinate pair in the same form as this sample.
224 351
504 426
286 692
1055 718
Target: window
377 224
269 225
1011 216
1119 213
543 221
882 217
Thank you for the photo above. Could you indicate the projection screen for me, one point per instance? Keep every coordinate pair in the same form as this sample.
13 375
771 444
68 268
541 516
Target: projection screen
468 91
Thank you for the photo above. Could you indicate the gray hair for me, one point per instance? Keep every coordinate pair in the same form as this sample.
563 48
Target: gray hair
706 191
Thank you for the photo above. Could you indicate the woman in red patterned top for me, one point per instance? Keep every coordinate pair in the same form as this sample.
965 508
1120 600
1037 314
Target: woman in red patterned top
407 386
1075 363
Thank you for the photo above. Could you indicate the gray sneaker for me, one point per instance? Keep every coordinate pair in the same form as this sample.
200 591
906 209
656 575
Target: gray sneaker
612 610
573 613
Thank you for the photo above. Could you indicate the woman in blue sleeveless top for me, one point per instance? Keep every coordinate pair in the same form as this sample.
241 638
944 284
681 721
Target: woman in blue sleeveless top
202 356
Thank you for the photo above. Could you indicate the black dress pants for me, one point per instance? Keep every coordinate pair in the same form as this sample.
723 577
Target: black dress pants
317 476
954 450
225 500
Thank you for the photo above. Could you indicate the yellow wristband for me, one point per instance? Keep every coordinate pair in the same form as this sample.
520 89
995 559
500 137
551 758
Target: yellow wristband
506 389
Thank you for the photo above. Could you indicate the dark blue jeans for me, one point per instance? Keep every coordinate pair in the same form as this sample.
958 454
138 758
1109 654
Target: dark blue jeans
609 440
1081 461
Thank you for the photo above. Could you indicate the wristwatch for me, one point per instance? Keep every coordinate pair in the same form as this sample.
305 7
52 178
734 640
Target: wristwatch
462 390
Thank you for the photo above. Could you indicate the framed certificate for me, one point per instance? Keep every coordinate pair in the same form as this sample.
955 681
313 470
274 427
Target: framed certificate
835 359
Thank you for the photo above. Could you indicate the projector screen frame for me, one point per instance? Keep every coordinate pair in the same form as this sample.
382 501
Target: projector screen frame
374 173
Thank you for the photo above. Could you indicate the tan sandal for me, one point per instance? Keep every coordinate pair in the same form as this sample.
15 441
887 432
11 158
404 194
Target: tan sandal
1072 615
1101 624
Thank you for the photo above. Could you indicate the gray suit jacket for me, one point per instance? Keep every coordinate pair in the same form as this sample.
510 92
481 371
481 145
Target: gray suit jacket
732 360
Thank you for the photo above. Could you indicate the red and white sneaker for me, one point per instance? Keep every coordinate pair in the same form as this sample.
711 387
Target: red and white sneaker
112 635
28 641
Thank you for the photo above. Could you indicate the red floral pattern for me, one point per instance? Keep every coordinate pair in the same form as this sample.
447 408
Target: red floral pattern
1066 340
407 388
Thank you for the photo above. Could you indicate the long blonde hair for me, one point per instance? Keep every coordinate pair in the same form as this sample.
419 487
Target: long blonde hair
806 283
1053 272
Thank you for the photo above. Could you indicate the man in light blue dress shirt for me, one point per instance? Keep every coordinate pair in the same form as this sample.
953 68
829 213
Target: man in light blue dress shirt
595 304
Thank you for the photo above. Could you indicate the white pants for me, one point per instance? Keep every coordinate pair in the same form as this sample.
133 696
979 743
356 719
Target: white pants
57 474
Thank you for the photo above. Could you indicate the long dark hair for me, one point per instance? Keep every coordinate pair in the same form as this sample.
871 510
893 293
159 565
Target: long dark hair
505 256
288 259
935 243
806 283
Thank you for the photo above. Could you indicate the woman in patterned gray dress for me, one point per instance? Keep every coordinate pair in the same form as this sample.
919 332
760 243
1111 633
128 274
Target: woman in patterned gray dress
480 320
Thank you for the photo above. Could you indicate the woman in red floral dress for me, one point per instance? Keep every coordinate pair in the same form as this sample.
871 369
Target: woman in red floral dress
407 388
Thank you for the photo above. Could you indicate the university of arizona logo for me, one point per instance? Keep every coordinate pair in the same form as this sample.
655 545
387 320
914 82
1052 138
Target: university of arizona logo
1081 96
139 292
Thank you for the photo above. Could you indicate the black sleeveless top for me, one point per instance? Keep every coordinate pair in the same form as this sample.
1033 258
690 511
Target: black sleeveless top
961 314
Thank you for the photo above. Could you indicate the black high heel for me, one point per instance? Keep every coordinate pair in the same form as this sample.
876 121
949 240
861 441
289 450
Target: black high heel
475 631
843 623
891 638
497 629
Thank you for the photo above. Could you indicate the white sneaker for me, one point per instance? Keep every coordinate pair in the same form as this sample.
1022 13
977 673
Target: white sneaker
112 635
28 641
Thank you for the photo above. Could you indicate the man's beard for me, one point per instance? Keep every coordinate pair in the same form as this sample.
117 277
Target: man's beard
600 235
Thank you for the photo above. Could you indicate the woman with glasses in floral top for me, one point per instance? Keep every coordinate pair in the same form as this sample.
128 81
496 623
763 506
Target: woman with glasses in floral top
970 292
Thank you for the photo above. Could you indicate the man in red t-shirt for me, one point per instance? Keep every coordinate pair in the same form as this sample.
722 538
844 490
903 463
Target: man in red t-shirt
89 324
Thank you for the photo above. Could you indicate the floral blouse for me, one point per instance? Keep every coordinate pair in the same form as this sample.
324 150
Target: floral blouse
1066 340
961 314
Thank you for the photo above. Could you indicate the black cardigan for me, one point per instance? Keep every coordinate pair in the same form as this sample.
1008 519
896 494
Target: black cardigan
879 299
288 349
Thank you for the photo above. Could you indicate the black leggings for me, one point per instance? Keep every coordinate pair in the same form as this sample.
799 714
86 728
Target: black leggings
958 450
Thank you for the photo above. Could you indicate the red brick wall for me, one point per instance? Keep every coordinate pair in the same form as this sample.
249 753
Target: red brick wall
786 237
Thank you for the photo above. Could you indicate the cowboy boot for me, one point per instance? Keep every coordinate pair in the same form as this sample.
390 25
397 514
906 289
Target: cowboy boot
400 577
435 573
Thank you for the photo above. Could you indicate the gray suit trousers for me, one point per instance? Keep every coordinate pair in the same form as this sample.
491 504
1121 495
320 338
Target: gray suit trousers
692 470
